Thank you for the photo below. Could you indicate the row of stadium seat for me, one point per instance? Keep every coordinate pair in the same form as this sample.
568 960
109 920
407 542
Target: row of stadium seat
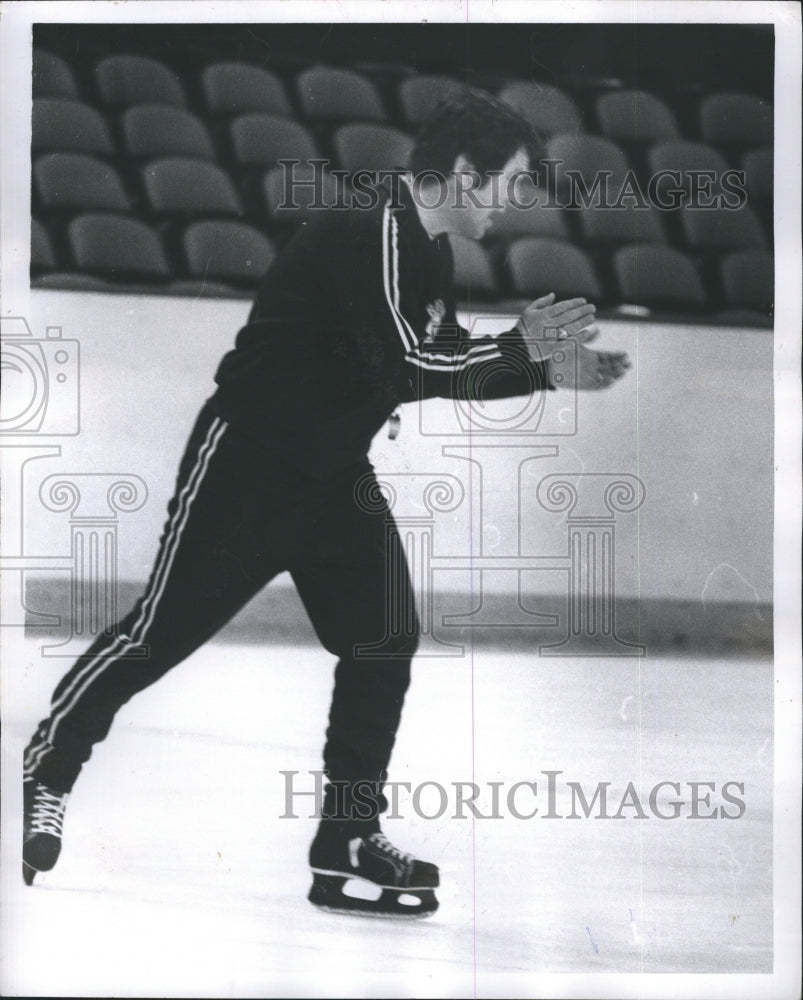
113 247
71 182
256 138
119 247
630 117
150 130
187 168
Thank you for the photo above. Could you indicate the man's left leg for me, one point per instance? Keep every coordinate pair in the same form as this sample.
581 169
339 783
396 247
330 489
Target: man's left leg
356 588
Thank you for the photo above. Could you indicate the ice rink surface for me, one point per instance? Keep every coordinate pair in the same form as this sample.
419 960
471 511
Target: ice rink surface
179 877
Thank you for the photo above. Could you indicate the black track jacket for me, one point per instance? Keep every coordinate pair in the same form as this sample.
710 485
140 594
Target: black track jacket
355 315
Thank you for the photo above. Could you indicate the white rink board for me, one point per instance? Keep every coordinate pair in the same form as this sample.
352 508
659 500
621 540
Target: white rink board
693 420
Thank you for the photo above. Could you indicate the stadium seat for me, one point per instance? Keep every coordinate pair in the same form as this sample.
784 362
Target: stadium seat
621 225
718 229
296 206
685 155
117 247
232 88
383 73
226 251
62 123
324 92
42 256
741 316
125 80
546 108
163 130
635 118
266 139
419 95
539 266
658 276
72 281
588 156
473 274
198 288
526 217
176 185
74 180
734 119
52 76
682 157
758 165
748 278
371 147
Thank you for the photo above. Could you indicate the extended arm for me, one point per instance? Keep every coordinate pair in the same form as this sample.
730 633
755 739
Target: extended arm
443 359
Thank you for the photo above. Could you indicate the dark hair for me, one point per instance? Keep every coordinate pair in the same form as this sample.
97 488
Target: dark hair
484 129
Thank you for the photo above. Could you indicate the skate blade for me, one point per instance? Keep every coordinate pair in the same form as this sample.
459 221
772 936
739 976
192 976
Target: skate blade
28 873
327 894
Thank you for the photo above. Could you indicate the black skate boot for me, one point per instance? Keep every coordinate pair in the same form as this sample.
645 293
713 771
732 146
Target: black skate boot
41 836
406 884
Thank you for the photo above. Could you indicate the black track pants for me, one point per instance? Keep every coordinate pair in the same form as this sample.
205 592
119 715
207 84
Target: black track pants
237 519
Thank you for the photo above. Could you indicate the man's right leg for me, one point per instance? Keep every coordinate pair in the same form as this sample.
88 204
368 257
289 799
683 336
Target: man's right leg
212 559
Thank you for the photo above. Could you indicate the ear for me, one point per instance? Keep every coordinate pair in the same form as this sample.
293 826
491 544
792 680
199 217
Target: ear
462 163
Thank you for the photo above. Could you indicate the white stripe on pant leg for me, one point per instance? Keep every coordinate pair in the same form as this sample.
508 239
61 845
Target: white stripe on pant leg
32 757
108 651
169 562
28 769
139 632
104 660
205 453
169 539
117 643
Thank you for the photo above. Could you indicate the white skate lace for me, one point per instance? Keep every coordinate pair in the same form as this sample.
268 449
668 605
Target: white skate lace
382 842
47 815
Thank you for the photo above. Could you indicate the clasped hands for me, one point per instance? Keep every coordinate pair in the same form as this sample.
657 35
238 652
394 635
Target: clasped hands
547 326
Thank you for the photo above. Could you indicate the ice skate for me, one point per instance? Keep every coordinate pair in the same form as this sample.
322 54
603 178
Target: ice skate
402 885
41 838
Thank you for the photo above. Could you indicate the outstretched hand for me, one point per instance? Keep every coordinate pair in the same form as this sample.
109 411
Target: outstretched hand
545 323
589 369
548 326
